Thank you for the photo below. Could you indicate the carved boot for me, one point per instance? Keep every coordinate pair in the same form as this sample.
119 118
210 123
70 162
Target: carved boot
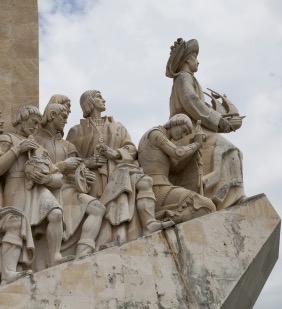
54 236
84 247
59 259
146 210
146 207
10 257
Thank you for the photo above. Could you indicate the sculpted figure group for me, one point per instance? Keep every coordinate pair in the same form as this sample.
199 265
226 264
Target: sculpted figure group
62 198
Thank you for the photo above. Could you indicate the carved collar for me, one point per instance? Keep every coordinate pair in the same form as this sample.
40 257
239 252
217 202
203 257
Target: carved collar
49 135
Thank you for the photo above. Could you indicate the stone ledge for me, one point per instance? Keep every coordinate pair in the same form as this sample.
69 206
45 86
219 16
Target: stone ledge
208 262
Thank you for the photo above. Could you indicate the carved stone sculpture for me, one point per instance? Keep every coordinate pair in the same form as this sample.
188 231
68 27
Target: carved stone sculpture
95 131
1 184
156 155
61 99
1 123
82 213
35 201
122 186
16 244
222 161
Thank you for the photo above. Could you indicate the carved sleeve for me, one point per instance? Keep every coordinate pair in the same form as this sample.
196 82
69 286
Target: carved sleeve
127 149
9 153
158 138
195 106
72 135
70 153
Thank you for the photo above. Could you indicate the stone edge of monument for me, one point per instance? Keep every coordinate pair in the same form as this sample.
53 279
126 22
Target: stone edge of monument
159 275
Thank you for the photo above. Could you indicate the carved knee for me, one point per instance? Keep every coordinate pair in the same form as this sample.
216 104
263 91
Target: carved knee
55 216
96 208
144 188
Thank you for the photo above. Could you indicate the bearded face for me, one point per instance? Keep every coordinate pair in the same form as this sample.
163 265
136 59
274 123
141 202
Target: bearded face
30 126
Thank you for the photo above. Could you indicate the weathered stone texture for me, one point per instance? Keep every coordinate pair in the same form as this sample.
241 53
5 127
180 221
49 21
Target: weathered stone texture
221 260
19 80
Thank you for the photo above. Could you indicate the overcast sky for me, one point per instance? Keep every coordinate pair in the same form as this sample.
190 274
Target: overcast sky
121 47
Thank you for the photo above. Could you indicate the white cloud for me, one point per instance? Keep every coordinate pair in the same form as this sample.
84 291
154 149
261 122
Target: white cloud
121 48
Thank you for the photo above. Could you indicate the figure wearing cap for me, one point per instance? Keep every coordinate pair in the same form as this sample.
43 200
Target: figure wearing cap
181 66
223 179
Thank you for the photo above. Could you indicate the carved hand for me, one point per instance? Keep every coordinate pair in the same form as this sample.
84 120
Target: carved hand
41 177
108 152
199 138
95 162
71 163
225 126
90 177
26 145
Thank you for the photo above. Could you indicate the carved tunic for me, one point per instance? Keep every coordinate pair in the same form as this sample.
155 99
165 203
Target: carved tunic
36 202
73 202
7 216
118 178
187 98
86 136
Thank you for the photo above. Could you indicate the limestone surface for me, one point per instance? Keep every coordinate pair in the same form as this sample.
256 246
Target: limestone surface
220 260
19 83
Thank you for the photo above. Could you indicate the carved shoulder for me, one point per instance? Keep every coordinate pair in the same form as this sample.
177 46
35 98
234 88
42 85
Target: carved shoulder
73 133
5 143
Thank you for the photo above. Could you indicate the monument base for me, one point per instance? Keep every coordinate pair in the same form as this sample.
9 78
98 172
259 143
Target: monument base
220 260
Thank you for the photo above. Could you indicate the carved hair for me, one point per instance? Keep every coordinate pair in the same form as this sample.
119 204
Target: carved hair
50 108
178 120
86 100
24 113
58 99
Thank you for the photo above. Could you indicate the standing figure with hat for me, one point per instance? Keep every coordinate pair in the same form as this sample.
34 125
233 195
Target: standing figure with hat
222 179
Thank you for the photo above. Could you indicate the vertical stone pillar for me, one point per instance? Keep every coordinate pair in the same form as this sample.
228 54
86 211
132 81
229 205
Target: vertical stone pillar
19 65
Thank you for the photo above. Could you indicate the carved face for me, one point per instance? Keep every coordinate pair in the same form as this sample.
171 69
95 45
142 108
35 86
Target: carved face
179 131
30 126
99 103
67 105
192 62
60 120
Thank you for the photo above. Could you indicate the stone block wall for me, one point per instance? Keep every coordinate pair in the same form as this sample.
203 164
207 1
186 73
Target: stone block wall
19 66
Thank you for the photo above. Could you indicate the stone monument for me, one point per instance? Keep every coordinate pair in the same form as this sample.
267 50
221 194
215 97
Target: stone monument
19 83
89 221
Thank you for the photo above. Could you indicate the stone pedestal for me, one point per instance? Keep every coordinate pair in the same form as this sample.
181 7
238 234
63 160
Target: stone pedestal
221 260
18 56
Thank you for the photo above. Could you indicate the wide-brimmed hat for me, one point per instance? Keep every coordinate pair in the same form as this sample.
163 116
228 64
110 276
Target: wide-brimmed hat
178 53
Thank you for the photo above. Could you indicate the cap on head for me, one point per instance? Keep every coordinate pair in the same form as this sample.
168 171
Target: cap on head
179 51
